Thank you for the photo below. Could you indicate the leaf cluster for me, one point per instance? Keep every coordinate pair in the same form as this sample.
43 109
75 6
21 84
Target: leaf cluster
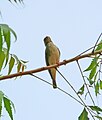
7 103
94 81
16 1
94 70
84 114
5 44
10 60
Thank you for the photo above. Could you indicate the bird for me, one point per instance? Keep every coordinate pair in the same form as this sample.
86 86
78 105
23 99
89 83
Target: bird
52 56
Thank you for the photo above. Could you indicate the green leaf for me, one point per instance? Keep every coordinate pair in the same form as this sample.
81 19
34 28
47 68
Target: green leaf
84 115
99 47
13 32
6 30
92 73
95 76
19 67
96 108
16 58
8 40
100 118
11 64
90 81
81 90
97 88
101 84
24 61
7 105
6 56
92 65
13 106
6 34
2 58
1 41
1 97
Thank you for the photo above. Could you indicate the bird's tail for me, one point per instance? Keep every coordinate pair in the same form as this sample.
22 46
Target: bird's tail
54 84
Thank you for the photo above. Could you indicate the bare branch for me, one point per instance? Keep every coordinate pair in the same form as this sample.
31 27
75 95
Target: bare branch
64 62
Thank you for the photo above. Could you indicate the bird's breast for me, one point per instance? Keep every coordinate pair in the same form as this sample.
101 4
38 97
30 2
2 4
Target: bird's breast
53 54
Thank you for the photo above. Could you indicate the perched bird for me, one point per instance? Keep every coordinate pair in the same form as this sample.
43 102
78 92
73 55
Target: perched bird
52 56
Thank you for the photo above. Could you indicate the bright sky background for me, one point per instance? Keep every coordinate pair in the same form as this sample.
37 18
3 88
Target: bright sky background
74 26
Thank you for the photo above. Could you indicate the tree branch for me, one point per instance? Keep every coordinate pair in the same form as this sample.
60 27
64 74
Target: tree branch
64 62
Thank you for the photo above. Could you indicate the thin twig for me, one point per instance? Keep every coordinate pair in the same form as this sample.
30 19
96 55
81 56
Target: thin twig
85 51
57 88
63 92
96 43
85 82
76 93
93 46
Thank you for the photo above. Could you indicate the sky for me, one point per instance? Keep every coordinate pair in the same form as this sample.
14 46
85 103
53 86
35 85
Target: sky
74 26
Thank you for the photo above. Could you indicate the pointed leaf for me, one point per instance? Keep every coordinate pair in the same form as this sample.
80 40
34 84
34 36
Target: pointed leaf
101 84
8 40
24 61
16 58
11 64
9 0
6 56
99 47
5 28
23 67
13 32
2 58
96 108
95 76
97 88
16 1
7 105
13 106
81 90
6 33
90 81
19 67
84 115
92 73
100 118
93 64
1 97
1 41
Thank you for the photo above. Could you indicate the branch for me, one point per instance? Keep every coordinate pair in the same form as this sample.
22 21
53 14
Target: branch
85 82
58 89
64 62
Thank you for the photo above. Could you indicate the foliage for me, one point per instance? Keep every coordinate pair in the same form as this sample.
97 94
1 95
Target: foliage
94 79
5 57
16 1
9 60
8 105
94 70
84 115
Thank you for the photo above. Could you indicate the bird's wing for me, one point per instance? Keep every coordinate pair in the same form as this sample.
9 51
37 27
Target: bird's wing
47 54
59 51
48 59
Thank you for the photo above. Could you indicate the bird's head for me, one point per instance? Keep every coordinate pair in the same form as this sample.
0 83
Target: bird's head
47 39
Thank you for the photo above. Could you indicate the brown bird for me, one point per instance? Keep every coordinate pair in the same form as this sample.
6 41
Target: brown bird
52 56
